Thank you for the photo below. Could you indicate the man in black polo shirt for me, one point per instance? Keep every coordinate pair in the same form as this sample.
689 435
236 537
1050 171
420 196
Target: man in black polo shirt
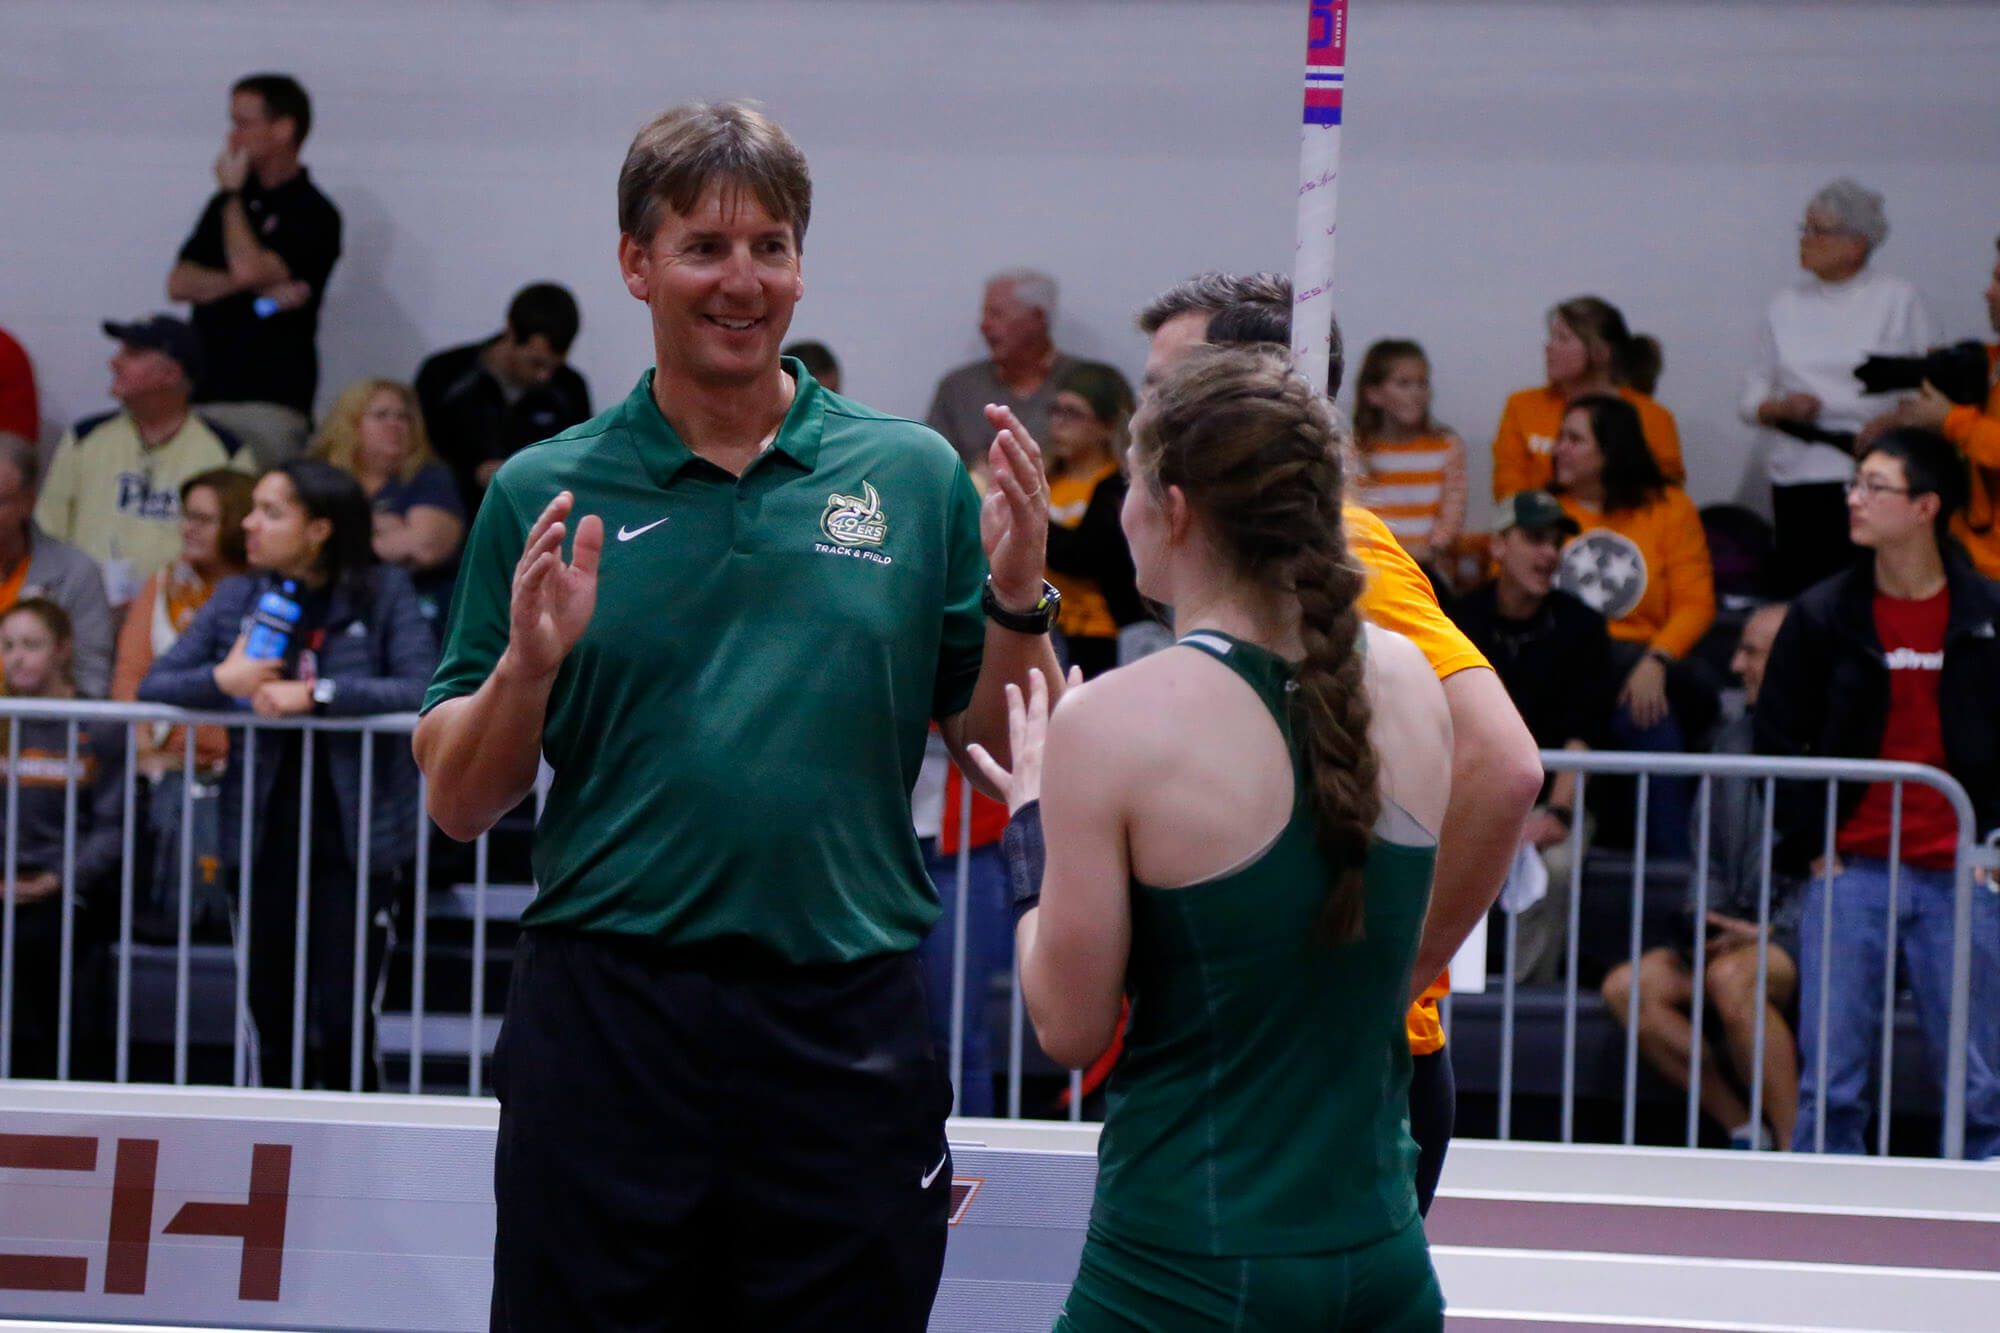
255 269
1553 655
720 1103
484 400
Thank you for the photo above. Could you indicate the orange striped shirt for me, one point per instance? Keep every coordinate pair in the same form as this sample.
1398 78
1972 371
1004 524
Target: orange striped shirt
1417 487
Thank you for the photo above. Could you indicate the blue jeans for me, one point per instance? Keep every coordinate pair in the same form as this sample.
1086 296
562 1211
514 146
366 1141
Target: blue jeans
989 950
1860 967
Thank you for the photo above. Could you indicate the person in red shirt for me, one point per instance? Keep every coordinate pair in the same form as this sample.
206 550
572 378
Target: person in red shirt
1895 659
20 410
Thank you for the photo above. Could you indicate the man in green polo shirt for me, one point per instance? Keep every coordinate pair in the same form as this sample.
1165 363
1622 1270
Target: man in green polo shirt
720 1105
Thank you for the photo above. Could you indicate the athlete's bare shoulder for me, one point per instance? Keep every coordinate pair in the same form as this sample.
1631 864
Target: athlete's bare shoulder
1131 713
1411 727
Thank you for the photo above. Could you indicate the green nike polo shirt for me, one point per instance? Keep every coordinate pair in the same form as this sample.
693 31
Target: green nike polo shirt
736 735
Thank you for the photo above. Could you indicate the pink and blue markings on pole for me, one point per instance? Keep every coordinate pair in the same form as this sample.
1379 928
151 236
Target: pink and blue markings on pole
1326 61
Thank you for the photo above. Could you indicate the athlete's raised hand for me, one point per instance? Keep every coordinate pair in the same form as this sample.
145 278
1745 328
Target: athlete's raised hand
553 597
1014 523
1027 737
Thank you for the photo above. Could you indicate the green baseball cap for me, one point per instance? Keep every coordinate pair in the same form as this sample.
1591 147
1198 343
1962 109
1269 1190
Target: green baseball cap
1536 511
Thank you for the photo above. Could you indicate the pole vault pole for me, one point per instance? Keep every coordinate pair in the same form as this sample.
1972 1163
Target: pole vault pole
1319 187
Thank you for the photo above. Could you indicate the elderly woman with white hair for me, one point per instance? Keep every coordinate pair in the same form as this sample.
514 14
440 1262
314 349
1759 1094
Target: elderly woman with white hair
1802 389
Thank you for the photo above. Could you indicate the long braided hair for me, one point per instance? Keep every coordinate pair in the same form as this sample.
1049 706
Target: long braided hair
1258 455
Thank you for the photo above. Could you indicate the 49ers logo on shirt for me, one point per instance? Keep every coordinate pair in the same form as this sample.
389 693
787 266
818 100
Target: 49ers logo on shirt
855 520
856 525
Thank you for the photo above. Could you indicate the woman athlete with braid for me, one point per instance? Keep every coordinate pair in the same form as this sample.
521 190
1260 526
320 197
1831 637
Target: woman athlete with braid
1240 834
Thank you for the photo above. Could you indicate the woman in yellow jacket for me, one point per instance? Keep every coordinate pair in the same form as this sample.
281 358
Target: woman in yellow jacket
1589 350
1642 562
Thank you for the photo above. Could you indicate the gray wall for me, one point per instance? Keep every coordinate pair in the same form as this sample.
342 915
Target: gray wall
1499 156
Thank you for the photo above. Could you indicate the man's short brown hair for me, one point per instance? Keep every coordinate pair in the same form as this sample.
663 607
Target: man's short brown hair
687 148
1208 293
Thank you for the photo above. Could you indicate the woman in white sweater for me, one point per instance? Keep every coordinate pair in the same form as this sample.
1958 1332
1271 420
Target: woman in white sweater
1802 389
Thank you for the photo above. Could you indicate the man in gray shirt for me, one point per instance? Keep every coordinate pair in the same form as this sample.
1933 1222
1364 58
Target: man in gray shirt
1015 318
34 564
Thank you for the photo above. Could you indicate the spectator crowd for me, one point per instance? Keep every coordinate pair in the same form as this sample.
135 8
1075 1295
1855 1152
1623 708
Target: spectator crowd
139 561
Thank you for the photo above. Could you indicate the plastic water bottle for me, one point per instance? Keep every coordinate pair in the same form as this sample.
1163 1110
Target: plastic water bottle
272 623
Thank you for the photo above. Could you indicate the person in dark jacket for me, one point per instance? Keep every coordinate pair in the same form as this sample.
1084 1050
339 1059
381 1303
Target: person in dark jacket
1896 658
486 400
360 646
37 648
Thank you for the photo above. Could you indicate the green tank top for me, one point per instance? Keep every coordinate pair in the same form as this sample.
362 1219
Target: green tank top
1262 1103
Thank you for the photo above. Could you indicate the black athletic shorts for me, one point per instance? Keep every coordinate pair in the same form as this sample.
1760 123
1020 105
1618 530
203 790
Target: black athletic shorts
1433 1114
714 1139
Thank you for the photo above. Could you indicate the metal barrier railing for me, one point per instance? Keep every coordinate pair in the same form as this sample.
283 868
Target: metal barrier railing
127 718
1969 859
417 1030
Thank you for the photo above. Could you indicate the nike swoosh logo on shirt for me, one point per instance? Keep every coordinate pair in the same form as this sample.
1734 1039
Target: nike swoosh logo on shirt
932 1174
626 534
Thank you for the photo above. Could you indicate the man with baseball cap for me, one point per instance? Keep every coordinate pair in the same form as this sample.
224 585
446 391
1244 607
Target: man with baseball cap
1553 655
114 485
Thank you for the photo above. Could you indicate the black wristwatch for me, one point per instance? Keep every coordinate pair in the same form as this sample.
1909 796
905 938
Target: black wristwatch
1038 619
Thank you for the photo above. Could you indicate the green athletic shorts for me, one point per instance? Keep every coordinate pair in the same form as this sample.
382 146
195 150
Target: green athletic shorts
1386 1287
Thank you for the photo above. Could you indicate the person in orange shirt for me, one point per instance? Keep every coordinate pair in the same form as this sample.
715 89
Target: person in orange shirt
1412 472
1975 432
1589 350
1088 560
1641 561
1496 771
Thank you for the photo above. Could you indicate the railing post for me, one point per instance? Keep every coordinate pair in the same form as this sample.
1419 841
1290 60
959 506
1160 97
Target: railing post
122 1039
66 951
12 870
1763 972
245 851
1636 939
1889 966
1825 965
1706 795
184 921
301 927
1572 930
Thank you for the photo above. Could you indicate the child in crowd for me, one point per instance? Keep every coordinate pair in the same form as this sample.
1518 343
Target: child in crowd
1412 468
37 646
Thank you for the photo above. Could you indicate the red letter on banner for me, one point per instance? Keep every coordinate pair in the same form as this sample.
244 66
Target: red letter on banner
260 1222
45 1152
131 1235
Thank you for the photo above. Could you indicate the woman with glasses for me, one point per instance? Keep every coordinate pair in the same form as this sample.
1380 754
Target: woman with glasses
376 433
1801 389
213 507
